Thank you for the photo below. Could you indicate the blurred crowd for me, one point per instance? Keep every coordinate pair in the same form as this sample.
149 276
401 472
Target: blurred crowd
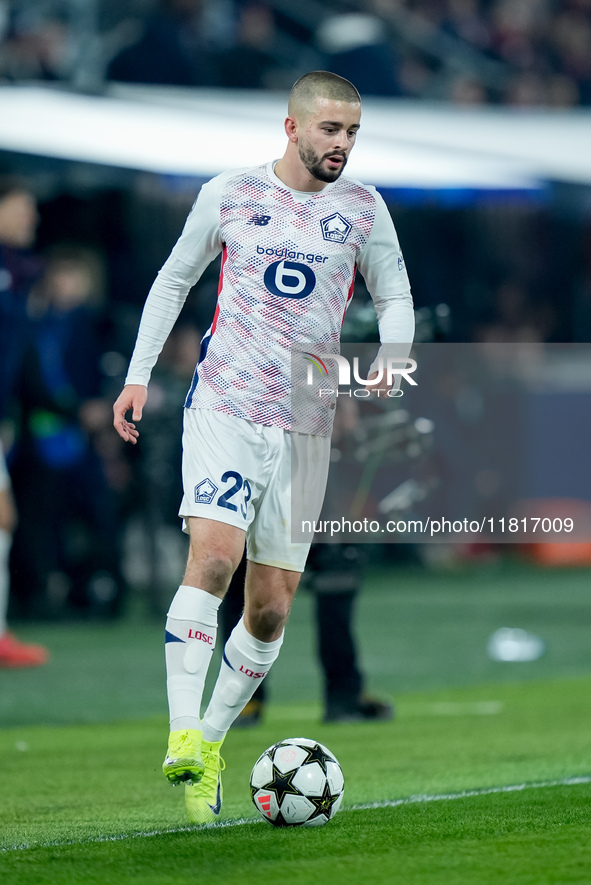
521 53
66 543
74 484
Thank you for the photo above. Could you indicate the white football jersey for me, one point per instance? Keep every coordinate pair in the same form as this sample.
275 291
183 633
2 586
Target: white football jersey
288 269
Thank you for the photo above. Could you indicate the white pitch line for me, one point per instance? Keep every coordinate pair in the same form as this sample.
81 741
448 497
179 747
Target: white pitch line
465 794
387 803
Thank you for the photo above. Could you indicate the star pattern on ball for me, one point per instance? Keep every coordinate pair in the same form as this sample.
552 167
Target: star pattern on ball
324 804
317 754
282 784
283 804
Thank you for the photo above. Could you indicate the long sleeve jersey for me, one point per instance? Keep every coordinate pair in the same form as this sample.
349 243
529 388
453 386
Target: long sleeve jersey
289 260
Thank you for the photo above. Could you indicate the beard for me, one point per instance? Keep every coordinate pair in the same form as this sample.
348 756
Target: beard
313 163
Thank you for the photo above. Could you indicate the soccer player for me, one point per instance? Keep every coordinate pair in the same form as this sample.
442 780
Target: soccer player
292 234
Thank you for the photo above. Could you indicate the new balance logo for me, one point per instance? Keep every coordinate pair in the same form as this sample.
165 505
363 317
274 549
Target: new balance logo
260 220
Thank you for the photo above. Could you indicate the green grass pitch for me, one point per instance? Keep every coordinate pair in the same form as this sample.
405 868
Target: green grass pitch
483 777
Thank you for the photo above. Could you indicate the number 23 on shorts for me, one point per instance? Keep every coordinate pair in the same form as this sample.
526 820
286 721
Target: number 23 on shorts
236 484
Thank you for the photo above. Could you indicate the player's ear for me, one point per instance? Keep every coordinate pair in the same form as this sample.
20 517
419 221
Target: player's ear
291 129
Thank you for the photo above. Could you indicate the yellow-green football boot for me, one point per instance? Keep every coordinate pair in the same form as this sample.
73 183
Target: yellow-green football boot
204 800
184 762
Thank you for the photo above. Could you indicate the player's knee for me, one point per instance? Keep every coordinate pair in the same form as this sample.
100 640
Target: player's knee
212 572
219 570
268 621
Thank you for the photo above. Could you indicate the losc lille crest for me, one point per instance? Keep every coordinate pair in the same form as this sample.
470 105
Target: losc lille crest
205 491
335 228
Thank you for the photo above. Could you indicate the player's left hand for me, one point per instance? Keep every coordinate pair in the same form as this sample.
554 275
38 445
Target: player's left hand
133 397
380 389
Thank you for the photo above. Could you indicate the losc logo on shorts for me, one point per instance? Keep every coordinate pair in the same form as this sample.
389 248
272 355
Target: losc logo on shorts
205 491
335 228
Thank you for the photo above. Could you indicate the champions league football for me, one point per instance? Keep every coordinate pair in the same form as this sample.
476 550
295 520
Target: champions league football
297 782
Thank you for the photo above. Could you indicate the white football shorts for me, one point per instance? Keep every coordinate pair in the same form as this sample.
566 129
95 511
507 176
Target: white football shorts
239 472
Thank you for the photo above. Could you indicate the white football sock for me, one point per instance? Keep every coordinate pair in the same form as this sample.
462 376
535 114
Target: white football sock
5 544
245 663
191 629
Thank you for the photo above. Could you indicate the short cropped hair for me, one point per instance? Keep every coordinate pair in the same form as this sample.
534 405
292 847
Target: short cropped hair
320 84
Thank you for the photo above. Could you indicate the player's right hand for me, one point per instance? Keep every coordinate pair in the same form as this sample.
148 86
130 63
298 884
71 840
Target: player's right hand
133 396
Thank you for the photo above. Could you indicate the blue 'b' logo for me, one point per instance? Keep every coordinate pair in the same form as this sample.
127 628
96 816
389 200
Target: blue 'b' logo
289 279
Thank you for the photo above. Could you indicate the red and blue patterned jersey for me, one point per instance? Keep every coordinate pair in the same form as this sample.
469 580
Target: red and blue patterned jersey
288 268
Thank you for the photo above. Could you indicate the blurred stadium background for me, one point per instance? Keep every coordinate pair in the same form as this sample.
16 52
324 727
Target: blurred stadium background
476 129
